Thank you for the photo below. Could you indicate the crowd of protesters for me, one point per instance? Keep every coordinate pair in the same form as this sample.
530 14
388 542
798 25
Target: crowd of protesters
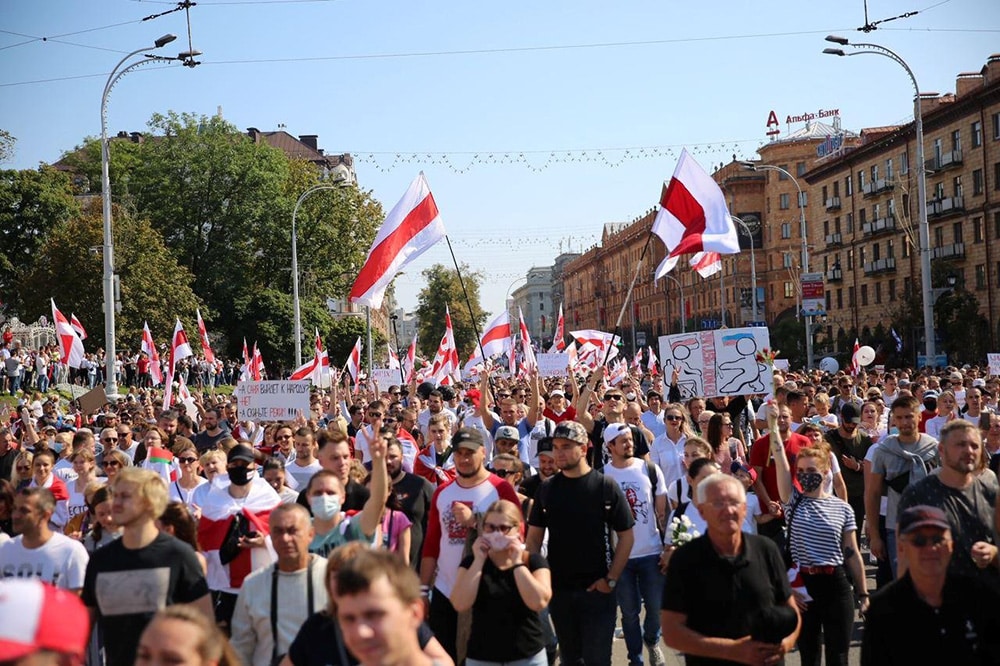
518 521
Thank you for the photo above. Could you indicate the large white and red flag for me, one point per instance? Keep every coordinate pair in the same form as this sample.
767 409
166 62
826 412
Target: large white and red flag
318 369
256 364
410 363
706 264
529 363
70 345
495 340
412 226
445 369
353 365
180 349
559 339
217 514
693 216
206 346
77 326
599 339
393 358
155 370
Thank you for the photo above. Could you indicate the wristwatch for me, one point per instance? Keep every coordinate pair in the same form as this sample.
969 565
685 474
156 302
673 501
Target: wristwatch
611 583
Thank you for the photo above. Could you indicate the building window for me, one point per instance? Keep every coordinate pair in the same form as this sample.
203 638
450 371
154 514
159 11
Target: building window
890 249
904 163
906 249
786 230
938 149
956 140
840 299
998 273
861 257
938 191
996 225
826 227
849 186
864 294
876 251
850 260
980 276
939 237
836 188
824 194
874 173
781 174
892 208
996 126
956 186
861 180
787 259
850 223
789 290
877 212
957 230
977 134
803 199
878 293
907 287
977 230
862 216
800 168
906 205
888 169
996 176
836 225
784 201
892 291
851 297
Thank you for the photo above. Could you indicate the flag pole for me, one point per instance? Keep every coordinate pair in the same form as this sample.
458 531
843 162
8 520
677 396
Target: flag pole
395 336
472 317
628 294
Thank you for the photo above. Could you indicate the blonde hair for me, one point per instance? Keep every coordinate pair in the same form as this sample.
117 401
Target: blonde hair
704 448
819 453
508 510
211 454
150 486
212 646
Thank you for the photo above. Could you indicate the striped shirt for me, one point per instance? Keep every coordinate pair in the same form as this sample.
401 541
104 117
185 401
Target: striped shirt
817 529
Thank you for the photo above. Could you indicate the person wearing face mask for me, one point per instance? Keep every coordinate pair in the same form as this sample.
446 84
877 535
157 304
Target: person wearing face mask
233 529
325 493
505 587
822 543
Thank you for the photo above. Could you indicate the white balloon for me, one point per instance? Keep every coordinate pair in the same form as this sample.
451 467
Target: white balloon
864 356
829 365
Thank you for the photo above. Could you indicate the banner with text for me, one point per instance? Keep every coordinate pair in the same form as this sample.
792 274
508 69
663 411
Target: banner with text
994 361
272 401
720 362
552 365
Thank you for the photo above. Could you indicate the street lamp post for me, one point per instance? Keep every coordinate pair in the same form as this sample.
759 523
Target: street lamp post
295 269
110 302
680 287
753 260
925 233
804 232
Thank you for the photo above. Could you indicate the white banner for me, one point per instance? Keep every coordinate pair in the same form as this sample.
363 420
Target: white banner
719 362
387 377
994 361
272 401
552 365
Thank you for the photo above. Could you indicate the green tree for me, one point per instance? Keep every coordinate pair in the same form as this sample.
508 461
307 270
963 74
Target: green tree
32 202
788 336
7 142
964 331
443 289
154 287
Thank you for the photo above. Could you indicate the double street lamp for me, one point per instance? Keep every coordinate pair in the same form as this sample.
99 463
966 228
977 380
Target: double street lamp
110 301
927 293
804 232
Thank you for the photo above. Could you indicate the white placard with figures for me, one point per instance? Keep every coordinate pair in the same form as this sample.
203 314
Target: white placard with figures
720 362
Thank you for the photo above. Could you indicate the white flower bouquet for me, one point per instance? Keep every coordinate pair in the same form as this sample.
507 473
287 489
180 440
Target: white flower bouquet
682 530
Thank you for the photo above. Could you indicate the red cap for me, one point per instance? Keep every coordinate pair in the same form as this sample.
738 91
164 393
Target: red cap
36 616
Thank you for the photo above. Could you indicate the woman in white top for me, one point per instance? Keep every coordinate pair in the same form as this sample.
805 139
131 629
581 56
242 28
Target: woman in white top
871 421
698 470
947 409
667 450
182 490
86 474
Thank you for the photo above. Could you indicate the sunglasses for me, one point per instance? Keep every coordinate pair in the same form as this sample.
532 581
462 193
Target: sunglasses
283 437
921 541
187 461
503 473
613 396
493 527
374 415
112 463
673 418
109 439
23 468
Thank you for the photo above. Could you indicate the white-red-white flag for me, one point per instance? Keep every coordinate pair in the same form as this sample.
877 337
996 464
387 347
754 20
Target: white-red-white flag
155 371
599 339
77 326
693 216
572 355
393 358
445 369
245 368
529 362
651 362
256 364
619 371
706 264
495 340
412 226
318 369
411 360
206 346
855 366
70 345
637 359
180 349
559 339
353 365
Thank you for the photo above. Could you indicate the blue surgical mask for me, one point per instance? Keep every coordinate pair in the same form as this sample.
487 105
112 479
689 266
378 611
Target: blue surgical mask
55 445
325 507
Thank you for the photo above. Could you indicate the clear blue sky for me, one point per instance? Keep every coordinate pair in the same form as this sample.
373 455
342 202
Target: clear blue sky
470 77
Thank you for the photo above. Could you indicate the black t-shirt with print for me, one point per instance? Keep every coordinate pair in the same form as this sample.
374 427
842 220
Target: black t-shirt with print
127 587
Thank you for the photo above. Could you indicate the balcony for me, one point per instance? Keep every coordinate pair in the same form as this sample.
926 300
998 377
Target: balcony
946 206
835 275
833 203
885 265
877 187
834 239
881 225
955 250
947 160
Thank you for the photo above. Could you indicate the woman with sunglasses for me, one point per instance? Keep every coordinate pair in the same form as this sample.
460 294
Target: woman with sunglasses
668 449
505 587
21 476
182 490
114 462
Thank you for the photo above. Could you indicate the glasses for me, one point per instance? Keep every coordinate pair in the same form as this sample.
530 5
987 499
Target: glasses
283 437
112 463
493 527
125 434
613 396
726 504
187 461
727 424
503 473
390 421
921 541
673 418
374 415
23 468
109 439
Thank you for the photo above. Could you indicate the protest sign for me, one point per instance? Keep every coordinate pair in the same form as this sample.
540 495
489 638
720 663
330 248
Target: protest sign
994 361
272 400
552 365
386 377
719 362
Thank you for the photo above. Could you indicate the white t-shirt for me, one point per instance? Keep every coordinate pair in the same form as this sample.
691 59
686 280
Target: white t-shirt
635 484
77 502
362 442
828 477
753 510
302 474
60 561
179 493
934 425
64 470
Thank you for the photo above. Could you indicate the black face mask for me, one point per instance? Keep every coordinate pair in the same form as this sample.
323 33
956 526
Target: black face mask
240 476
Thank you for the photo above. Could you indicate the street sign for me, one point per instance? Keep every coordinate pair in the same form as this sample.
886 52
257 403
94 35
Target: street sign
940 361
640 338
813 295
708 324
757 324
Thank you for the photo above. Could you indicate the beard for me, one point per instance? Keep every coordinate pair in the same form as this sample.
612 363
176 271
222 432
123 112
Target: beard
469 475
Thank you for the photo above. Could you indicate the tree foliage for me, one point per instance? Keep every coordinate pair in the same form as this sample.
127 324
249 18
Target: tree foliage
223 205
154 287
7 142
32 202
442 290
963 329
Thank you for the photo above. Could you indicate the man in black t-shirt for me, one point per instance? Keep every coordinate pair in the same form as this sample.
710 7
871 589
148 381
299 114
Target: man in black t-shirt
131 578
213 432
413 495
581 508
726 598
